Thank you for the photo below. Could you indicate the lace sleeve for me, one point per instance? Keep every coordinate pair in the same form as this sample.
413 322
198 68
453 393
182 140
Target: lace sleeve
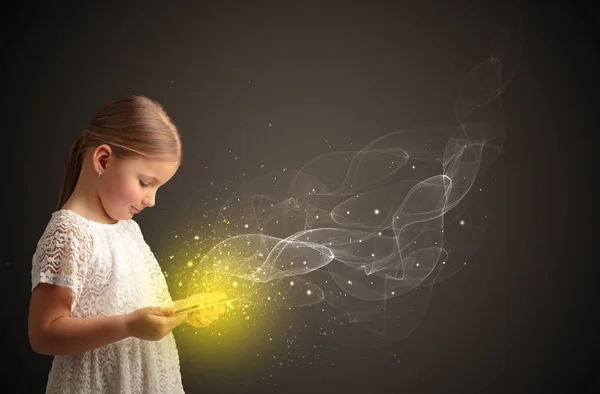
62 255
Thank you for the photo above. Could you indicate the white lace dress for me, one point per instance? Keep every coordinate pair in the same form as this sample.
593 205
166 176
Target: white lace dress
111 271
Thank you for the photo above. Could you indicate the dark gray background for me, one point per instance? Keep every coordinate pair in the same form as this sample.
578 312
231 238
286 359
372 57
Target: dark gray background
519 319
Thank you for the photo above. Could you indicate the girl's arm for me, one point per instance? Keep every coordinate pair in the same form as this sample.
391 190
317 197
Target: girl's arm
52 331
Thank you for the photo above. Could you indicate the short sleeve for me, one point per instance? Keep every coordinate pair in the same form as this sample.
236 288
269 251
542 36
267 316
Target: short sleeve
62 255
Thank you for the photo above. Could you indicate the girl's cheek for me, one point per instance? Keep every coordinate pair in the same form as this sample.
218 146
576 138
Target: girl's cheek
124 192
131 193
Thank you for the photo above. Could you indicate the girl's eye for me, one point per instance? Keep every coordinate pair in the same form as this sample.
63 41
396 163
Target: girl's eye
144 184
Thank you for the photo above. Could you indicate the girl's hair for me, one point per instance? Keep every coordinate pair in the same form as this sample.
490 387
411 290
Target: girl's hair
132 126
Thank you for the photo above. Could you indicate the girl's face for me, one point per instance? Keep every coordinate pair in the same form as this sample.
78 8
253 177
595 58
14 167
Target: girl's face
129 185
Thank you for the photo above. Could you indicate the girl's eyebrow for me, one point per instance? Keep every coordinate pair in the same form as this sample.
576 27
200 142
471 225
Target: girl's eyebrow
155 179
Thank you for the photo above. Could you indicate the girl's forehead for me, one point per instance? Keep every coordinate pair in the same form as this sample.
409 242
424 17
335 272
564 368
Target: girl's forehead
149 163
161 169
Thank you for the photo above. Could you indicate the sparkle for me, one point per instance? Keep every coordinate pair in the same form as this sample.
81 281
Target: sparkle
376 212
462 222
308 292
291 283
235 284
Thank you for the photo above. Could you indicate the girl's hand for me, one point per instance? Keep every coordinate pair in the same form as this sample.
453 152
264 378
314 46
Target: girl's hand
204 317
152 323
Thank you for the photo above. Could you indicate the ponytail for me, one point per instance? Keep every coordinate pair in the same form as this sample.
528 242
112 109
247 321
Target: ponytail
71 174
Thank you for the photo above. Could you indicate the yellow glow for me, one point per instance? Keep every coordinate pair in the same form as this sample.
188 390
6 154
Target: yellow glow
239 270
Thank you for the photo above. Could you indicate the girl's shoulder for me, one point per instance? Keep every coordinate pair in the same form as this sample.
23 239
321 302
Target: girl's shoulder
67 221
66 227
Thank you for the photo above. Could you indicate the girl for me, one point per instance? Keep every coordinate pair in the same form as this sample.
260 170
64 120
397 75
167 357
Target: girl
100 302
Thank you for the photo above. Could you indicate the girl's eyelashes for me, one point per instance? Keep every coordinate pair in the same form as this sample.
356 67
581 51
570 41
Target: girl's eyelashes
144 184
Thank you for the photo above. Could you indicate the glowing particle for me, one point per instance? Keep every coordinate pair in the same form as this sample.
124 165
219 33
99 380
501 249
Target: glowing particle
291 283
269 124
197 237
393 293
180 284
308 292
235 284
228 222
304 262
245 226
462 222
347 212
376 212
349 282
190 264
414 167
317 216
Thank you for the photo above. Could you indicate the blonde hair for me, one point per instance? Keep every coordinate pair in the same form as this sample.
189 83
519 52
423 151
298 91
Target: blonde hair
132 126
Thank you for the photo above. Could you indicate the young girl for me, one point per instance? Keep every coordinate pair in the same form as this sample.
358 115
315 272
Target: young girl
100 302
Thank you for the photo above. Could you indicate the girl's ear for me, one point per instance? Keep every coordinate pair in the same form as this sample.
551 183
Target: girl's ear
102 154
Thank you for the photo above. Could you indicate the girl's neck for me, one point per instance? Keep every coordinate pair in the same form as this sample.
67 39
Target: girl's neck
91 210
